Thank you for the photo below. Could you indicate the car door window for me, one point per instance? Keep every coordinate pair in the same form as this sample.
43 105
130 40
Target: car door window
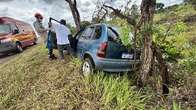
86 35
14 27
97 33
4 28
78 35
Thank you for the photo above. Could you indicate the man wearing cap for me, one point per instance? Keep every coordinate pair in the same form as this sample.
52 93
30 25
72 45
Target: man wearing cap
40 29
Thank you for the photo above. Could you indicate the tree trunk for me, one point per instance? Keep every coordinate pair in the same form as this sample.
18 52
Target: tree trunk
147 12
163 68
75 13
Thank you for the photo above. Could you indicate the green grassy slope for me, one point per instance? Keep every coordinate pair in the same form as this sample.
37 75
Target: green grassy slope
30 81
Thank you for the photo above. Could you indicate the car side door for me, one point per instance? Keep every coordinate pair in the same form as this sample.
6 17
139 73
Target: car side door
83 41
17 33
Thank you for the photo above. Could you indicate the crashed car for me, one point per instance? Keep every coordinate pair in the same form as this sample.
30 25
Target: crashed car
15 35
100 48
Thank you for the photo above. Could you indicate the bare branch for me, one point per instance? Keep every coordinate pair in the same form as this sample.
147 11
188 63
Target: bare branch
119 14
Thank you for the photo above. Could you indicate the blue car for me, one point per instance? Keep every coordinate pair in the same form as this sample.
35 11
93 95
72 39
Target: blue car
100 48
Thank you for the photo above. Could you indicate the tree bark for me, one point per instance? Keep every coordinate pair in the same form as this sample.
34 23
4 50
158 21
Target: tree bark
162 67
147 12
75 13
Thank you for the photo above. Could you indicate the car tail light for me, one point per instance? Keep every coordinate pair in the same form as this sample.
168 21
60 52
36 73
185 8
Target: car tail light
102 50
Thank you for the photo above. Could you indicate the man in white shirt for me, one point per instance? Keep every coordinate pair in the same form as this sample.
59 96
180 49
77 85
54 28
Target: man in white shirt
62 34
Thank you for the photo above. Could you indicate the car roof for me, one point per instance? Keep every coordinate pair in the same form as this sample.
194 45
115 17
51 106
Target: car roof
97 24
8 20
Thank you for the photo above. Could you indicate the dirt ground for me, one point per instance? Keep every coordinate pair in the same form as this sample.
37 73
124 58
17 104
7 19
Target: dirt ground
4 58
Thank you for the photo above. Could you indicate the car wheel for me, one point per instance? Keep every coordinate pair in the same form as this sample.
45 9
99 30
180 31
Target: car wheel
87 67
19 47
35 41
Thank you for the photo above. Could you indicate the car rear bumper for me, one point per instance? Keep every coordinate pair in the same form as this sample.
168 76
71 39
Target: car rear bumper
7 47
115 65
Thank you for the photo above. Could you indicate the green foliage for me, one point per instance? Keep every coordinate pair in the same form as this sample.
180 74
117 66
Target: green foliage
189 62
159 6
175 13
193 2
135 11
176 106
171 39
180 27
85 23
72 28
124 29
117 92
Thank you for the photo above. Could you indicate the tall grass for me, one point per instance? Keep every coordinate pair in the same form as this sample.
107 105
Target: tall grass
117 92
30 81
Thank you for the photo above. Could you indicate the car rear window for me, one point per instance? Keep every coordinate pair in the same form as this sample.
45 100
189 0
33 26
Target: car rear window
4 28
113 35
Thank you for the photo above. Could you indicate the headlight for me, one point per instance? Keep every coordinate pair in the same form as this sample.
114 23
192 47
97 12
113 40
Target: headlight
6 40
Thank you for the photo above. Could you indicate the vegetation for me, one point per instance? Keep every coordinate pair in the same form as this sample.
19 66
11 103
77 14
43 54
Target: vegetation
33 82
30 81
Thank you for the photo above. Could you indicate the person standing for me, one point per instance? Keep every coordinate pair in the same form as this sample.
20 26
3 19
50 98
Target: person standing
39 28
51 44
62 34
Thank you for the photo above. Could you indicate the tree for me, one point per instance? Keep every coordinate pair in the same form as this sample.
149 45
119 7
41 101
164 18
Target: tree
75 13
135 11
84 24
147 12
193 2
99 13
159 6
151 52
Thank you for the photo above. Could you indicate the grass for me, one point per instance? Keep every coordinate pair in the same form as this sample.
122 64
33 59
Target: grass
30 81
176 13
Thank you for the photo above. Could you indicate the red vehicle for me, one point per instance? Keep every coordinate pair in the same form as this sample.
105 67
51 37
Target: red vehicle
15 35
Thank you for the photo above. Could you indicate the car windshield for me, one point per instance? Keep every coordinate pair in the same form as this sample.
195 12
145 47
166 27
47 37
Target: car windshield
4 28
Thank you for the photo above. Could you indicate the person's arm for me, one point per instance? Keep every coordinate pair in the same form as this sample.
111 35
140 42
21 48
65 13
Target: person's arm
52 19
68 31
39 28
52 26
70 37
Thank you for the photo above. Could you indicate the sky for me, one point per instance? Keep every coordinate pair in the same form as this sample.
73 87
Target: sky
25 9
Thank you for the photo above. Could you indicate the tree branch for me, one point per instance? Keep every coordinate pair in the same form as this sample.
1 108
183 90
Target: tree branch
119 14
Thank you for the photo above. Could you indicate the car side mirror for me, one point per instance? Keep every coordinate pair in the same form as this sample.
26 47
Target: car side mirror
15 31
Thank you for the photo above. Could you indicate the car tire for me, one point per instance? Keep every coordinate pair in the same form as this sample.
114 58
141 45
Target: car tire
87 68
35 41
19 48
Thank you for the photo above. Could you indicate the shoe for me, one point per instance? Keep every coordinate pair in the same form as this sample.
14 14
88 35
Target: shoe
53 57
50 59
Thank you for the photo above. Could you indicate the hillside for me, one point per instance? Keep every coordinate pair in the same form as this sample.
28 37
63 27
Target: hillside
30 81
